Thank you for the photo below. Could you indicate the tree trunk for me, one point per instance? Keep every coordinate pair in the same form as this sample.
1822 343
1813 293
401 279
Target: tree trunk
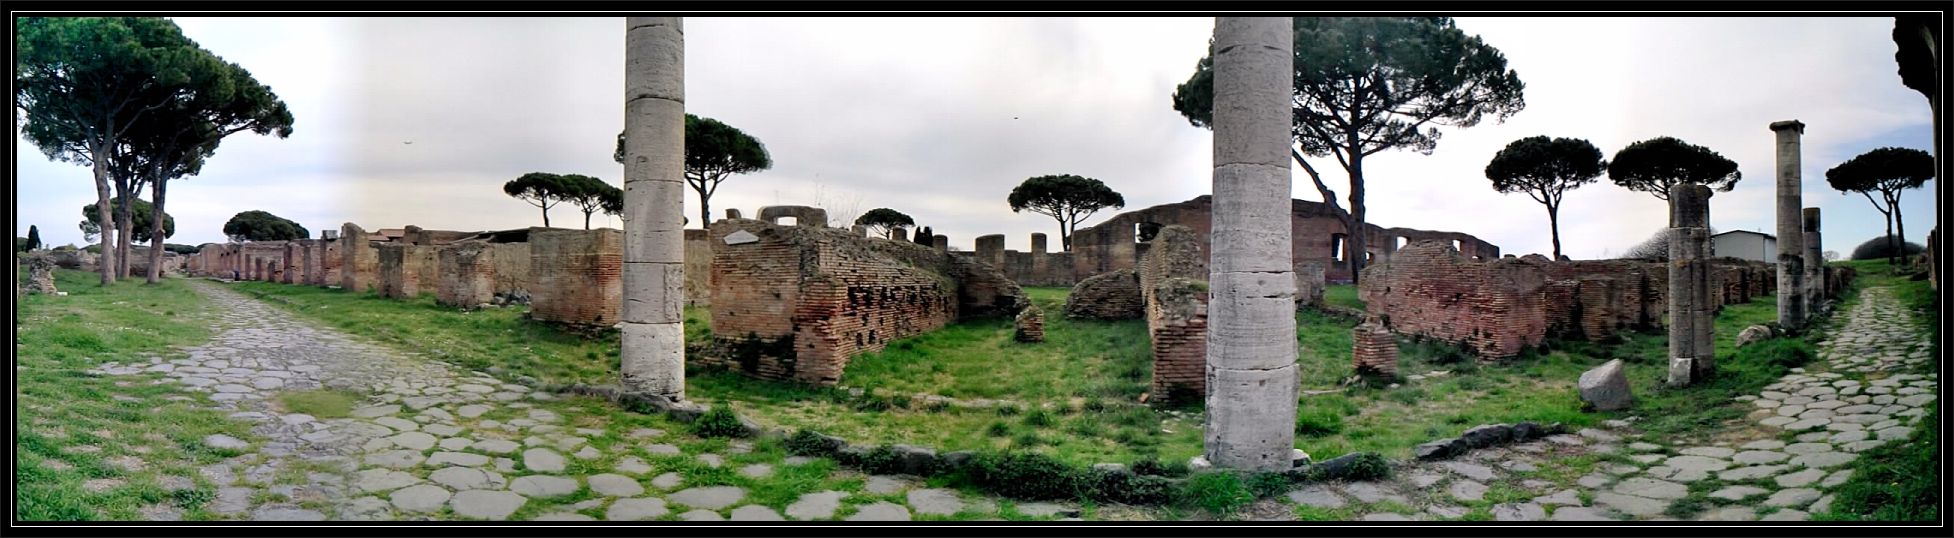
652 358
546 216
124 227
586 220
1891 257
156 236
1901 238
1358 246
103 216
705 210
1553 224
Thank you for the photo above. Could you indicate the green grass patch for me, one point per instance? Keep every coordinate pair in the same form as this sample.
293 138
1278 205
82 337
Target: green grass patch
1344 295
320 403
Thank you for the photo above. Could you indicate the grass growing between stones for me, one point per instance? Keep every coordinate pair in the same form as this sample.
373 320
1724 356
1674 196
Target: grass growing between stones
95 447
1898 481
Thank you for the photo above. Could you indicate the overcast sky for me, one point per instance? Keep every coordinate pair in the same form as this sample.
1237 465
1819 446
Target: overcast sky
940 118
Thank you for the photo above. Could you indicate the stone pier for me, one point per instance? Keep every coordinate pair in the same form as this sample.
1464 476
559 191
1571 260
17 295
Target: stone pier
1791 248
1815 291
359 267
1251 371
1692 311
467 275
653 340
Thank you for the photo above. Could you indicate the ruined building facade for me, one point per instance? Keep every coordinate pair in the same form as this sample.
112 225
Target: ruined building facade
1320 244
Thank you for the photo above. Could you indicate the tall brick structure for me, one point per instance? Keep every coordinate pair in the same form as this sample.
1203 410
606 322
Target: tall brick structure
1174 286
467 275
359 270
577 274
403 270
797 302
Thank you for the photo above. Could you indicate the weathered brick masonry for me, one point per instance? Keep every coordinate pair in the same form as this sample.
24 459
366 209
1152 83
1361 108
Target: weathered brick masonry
405 270
1320 244
359 269
797 302
1499 307
578 275
1111 296
1173 283
467 275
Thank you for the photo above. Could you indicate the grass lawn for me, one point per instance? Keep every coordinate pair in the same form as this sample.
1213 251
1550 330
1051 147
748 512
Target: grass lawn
1093 370
100 448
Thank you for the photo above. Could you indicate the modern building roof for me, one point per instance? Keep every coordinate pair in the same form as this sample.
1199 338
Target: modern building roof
1767 236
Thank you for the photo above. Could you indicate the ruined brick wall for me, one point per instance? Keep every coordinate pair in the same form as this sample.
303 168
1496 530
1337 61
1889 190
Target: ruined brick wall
294 264
1174 288
467 275
578 275
427 262
1499 307
1113 295
400 270
1316 234
265 259
797 302
310 255
698 268
1429 289
360 263
331 258
512 264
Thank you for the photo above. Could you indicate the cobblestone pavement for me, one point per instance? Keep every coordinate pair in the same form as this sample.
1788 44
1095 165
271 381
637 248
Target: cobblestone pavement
437 442
1810 425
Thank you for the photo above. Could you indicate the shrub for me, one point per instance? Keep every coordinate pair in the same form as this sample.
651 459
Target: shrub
1880 248
808 443
998 429
1024 475
1038 418
880 460
1129 488
720 421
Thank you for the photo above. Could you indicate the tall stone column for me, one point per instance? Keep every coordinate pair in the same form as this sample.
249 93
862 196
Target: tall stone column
654 197
1814 262
1251 371
1791 244
1692 312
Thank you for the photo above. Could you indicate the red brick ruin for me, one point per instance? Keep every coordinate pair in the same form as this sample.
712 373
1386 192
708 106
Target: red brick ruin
1498 308
797 302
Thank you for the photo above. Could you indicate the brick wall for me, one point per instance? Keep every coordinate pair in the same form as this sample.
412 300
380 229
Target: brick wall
1500 307
467 275
512 264
698 268
359 269
797 302
1174 288
578 275
401 270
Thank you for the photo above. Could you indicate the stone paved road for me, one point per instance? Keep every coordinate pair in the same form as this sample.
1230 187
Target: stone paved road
437 442
1810 425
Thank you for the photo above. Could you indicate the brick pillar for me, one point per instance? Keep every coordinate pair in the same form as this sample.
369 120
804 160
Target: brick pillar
467 275
901 234
941 242
1692 314
1374 351
1791 248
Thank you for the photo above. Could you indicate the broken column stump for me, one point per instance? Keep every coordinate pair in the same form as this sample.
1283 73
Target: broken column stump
1030 325
1375 350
